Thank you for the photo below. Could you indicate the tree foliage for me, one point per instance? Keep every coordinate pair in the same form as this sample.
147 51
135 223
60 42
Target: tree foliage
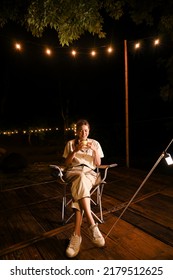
71 19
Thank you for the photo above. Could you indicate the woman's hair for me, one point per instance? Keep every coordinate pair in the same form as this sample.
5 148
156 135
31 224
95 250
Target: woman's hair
82 122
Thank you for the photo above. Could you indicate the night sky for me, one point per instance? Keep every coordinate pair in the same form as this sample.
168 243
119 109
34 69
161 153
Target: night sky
34 85
38 86
35 88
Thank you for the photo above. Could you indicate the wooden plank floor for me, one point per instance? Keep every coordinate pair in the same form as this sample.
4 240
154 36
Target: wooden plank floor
30 217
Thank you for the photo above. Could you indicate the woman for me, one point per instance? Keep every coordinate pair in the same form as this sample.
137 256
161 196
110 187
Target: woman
82 156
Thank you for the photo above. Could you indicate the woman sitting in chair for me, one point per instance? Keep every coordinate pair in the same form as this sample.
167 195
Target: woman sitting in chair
82 156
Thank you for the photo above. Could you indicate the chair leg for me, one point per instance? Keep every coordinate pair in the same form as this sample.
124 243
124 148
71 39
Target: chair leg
98 219
98 202
63 205
66 221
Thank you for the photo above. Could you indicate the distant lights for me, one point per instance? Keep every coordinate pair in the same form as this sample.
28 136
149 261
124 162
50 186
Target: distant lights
30 131
9 132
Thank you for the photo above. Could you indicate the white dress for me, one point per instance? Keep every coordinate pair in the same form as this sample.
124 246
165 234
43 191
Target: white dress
81 175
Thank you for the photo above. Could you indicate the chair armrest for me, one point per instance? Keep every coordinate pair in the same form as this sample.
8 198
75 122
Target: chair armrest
58 167
105 167
59 171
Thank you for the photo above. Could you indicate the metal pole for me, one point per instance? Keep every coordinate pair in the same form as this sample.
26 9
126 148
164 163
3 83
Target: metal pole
126 103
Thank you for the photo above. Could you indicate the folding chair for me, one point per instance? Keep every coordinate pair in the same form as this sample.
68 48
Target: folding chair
98 189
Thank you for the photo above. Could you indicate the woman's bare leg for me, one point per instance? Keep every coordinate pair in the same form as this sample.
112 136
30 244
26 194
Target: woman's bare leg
94 232
78 222
86 206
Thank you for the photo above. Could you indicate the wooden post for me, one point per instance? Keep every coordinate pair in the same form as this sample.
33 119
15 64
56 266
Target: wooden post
126 103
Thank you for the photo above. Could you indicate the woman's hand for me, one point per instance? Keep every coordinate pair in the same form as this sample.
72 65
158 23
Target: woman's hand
91 146
79 147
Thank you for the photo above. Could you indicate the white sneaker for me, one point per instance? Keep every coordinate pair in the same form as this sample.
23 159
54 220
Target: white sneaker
74 246
96 236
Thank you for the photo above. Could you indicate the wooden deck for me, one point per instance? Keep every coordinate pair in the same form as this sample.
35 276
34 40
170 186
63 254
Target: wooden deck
30 217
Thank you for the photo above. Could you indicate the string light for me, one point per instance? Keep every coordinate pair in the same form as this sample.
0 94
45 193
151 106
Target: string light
137 45
156 42
48 51
109 50
18 46
93 53
73 52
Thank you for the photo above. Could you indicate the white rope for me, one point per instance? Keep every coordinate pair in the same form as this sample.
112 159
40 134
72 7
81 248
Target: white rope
146 178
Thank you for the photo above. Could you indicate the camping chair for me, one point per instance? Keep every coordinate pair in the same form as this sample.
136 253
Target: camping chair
97 189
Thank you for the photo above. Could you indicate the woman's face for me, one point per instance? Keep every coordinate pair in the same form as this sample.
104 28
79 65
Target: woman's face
83 132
